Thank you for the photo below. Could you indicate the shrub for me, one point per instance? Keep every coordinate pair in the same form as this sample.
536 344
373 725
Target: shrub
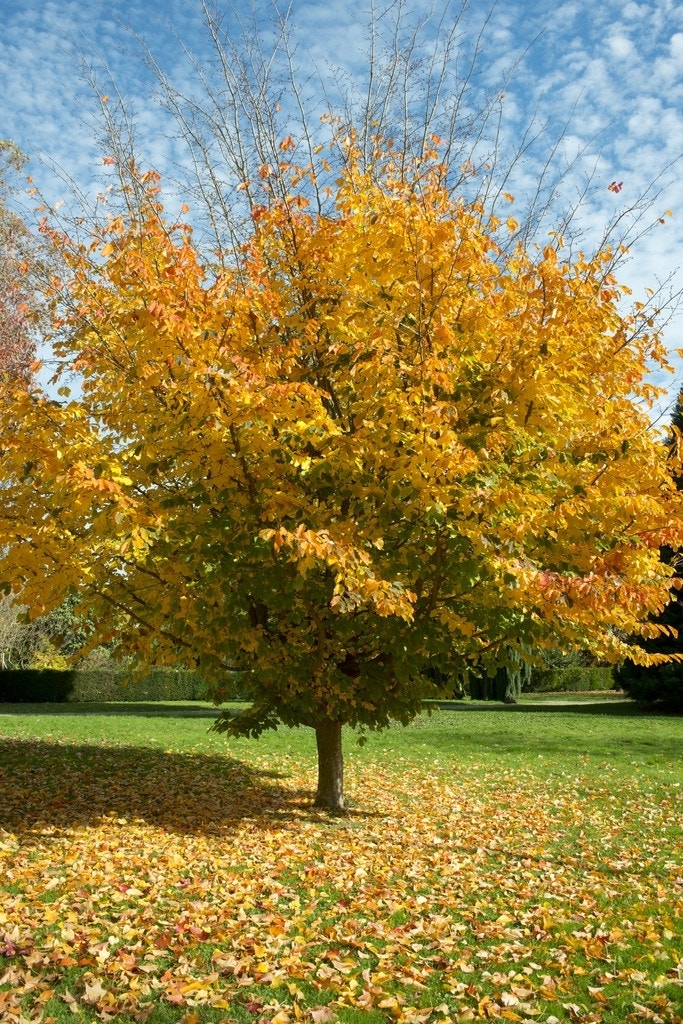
575 679
106 684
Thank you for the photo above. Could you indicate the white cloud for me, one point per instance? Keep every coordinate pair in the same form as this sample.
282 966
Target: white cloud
636 12
620 46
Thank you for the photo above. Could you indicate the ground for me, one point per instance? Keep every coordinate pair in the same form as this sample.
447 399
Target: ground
516 864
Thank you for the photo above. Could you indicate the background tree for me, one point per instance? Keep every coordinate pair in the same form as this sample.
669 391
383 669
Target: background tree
17 264
11 634
663 683
27 642
506 683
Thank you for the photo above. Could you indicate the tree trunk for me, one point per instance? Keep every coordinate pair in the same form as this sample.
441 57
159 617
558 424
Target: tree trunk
328 738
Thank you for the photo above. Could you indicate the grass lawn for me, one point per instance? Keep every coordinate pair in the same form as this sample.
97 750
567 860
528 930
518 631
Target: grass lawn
521 864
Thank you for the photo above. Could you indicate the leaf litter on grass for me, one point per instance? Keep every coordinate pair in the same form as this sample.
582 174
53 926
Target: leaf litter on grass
138 879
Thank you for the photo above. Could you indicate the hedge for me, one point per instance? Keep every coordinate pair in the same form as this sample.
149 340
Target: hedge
570 680
29 686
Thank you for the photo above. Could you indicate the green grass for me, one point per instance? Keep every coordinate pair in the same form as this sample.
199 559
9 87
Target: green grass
520 863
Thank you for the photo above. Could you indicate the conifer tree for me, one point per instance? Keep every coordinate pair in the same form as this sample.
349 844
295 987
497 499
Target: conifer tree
663 683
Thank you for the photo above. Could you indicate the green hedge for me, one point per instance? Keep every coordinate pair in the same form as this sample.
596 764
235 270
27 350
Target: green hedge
570 680
39 686
28 686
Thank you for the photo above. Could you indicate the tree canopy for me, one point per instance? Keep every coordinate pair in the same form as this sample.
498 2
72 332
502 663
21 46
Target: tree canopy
378 438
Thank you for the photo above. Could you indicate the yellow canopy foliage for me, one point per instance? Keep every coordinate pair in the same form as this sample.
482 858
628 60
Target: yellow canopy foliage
379 438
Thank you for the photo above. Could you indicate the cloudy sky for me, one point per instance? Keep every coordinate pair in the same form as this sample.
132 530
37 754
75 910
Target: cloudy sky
606 76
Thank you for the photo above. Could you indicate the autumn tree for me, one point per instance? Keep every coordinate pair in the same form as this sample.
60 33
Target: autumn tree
367 418
18 259
415 76
380 439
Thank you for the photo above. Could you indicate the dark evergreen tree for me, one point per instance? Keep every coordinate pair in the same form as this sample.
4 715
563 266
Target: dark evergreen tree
507 683
663 683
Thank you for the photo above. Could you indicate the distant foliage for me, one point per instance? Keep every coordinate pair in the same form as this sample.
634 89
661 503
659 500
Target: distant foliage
17 286
664 683
575 679
41 640
506 684
28 686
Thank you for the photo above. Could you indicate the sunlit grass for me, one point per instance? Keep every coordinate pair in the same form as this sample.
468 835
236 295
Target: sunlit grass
512 863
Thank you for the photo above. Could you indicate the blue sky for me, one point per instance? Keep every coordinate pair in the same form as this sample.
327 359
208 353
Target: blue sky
614 70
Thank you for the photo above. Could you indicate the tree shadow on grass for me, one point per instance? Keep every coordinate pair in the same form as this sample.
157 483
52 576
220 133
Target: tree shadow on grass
139 709
46 786
611 709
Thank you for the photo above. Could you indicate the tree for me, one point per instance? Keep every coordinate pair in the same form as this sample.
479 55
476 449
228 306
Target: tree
663 682
358 423
506 683
30 643
657 683
17 259
380 438
12 634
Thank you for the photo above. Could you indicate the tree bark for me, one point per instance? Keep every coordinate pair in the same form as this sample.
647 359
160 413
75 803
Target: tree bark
328 738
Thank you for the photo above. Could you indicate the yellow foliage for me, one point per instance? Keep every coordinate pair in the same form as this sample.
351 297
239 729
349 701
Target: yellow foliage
376 439
49 657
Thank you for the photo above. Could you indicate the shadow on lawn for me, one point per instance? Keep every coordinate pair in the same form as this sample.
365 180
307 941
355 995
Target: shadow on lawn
612 709
47 785
151 710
